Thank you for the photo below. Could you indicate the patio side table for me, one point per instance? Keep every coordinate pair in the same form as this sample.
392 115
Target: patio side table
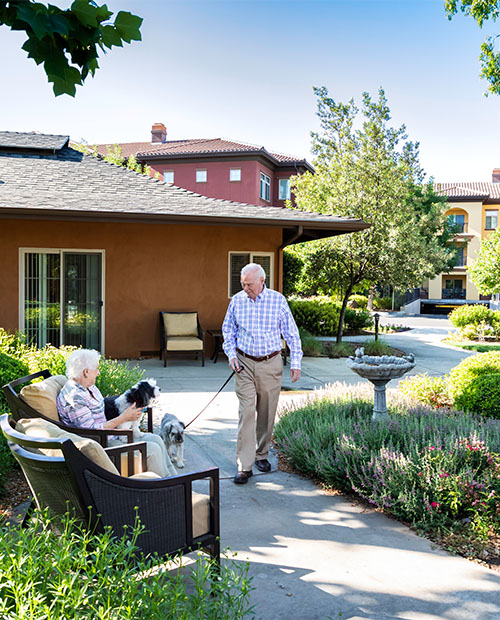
217 335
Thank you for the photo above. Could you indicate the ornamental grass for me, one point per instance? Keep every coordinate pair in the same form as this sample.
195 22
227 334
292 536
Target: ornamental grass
438 470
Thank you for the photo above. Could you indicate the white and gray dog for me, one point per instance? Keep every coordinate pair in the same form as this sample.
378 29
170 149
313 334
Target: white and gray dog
141 394
172 433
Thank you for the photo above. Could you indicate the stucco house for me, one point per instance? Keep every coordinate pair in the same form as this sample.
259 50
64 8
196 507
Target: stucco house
473 208
90 251
217 167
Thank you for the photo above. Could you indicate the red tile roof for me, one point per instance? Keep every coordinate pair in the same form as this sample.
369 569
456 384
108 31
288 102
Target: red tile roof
196 146
479 190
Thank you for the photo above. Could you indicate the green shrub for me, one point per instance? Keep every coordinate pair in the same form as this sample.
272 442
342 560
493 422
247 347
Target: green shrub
320 316
461 379
382 303
49 357
483 396
74 574
471 314
376 347
361 300
10 369
341 349
116 377
310 345
15 345
427 390
436 469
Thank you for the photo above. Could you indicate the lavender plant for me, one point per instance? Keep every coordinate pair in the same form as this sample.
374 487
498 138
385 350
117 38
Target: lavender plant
436 469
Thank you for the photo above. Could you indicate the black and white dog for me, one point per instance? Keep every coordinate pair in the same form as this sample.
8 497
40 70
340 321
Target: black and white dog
172 433
141 394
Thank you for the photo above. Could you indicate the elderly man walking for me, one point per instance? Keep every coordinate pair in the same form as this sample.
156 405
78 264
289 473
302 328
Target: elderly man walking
256 319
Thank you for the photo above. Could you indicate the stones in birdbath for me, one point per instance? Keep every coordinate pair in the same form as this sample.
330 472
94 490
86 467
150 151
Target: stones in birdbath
379 370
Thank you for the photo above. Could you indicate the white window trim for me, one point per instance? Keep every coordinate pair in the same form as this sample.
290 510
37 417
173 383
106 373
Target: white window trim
173 176
206 175
268 185
61 251
234 170
269 283
496 214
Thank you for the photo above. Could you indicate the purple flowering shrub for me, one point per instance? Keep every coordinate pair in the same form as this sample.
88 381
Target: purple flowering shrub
435 469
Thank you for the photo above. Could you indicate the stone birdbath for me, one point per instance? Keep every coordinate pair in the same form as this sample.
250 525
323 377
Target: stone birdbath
380 369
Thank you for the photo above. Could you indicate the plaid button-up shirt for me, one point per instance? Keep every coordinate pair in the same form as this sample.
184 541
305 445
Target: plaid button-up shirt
79 406
256 325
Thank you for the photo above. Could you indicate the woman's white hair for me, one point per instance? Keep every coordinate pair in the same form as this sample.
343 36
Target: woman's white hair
254 267
79 360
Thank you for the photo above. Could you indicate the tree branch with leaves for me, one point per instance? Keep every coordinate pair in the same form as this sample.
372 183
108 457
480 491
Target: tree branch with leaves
67 41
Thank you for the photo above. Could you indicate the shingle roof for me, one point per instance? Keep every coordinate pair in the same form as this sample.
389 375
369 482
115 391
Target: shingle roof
69 183
14 139
479 190
197 146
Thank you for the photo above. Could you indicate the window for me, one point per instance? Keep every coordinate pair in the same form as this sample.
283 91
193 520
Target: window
491 219
284 189
460 257
458 221
235 174
237 260
61 297
168 176
265 187
201 176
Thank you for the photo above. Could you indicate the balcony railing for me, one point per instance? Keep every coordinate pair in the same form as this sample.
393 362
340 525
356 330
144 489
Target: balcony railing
460 228
454 293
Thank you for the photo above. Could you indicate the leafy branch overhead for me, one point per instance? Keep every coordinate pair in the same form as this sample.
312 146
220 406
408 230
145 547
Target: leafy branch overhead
481 11
67 42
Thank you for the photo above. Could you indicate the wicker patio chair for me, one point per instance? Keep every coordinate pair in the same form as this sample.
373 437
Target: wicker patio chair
180 332
19 408
175 520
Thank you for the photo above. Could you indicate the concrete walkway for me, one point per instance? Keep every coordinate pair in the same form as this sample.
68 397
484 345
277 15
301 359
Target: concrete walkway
314 555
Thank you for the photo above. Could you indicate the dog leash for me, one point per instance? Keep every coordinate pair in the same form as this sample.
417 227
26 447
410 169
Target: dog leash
211 401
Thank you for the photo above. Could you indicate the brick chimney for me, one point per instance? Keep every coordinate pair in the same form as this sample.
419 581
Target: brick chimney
159 133
495 177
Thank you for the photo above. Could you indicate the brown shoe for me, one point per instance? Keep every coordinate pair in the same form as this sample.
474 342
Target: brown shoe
263 465
242 477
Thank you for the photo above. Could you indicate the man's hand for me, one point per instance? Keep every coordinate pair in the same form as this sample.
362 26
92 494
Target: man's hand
235 365
294 374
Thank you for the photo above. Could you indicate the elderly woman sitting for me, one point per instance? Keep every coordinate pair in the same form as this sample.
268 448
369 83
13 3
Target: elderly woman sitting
80 403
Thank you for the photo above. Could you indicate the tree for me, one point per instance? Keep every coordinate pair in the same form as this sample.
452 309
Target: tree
67 41
485 271
371 173
481 11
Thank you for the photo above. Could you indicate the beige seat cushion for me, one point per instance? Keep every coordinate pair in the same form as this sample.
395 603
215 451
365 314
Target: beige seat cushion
42 396
180 343
180 324
201 514
36 427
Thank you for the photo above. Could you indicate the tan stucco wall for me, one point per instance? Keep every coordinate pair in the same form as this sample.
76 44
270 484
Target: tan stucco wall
148 267
474 219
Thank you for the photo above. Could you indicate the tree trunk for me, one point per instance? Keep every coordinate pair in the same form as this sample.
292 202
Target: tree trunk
340 328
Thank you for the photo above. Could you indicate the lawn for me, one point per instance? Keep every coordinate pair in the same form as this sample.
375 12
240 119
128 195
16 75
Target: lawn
471 345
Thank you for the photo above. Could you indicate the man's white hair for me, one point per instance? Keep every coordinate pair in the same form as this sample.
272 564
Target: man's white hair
79 360
253 267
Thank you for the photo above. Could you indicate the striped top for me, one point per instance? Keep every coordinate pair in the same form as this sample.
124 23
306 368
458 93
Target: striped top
79 406
256 325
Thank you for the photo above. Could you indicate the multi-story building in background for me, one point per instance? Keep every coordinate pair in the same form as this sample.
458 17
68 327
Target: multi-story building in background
218 168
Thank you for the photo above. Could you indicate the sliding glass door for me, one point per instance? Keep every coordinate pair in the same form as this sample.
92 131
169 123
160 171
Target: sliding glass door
62 298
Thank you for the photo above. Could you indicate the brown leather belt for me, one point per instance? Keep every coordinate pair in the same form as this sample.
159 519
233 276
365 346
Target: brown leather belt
258 359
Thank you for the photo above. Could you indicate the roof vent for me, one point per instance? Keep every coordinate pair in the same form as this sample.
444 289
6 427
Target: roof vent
158 133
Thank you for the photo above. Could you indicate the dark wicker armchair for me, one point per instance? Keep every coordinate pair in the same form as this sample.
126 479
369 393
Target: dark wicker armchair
19 408
175 520
180 332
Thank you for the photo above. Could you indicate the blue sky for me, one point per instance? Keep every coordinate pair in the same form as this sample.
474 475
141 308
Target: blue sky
245 70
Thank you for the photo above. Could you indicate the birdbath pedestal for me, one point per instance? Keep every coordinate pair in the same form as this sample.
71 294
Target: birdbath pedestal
379 370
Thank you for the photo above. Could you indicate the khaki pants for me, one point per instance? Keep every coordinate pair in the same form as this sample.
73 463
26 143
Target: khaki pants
258 389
